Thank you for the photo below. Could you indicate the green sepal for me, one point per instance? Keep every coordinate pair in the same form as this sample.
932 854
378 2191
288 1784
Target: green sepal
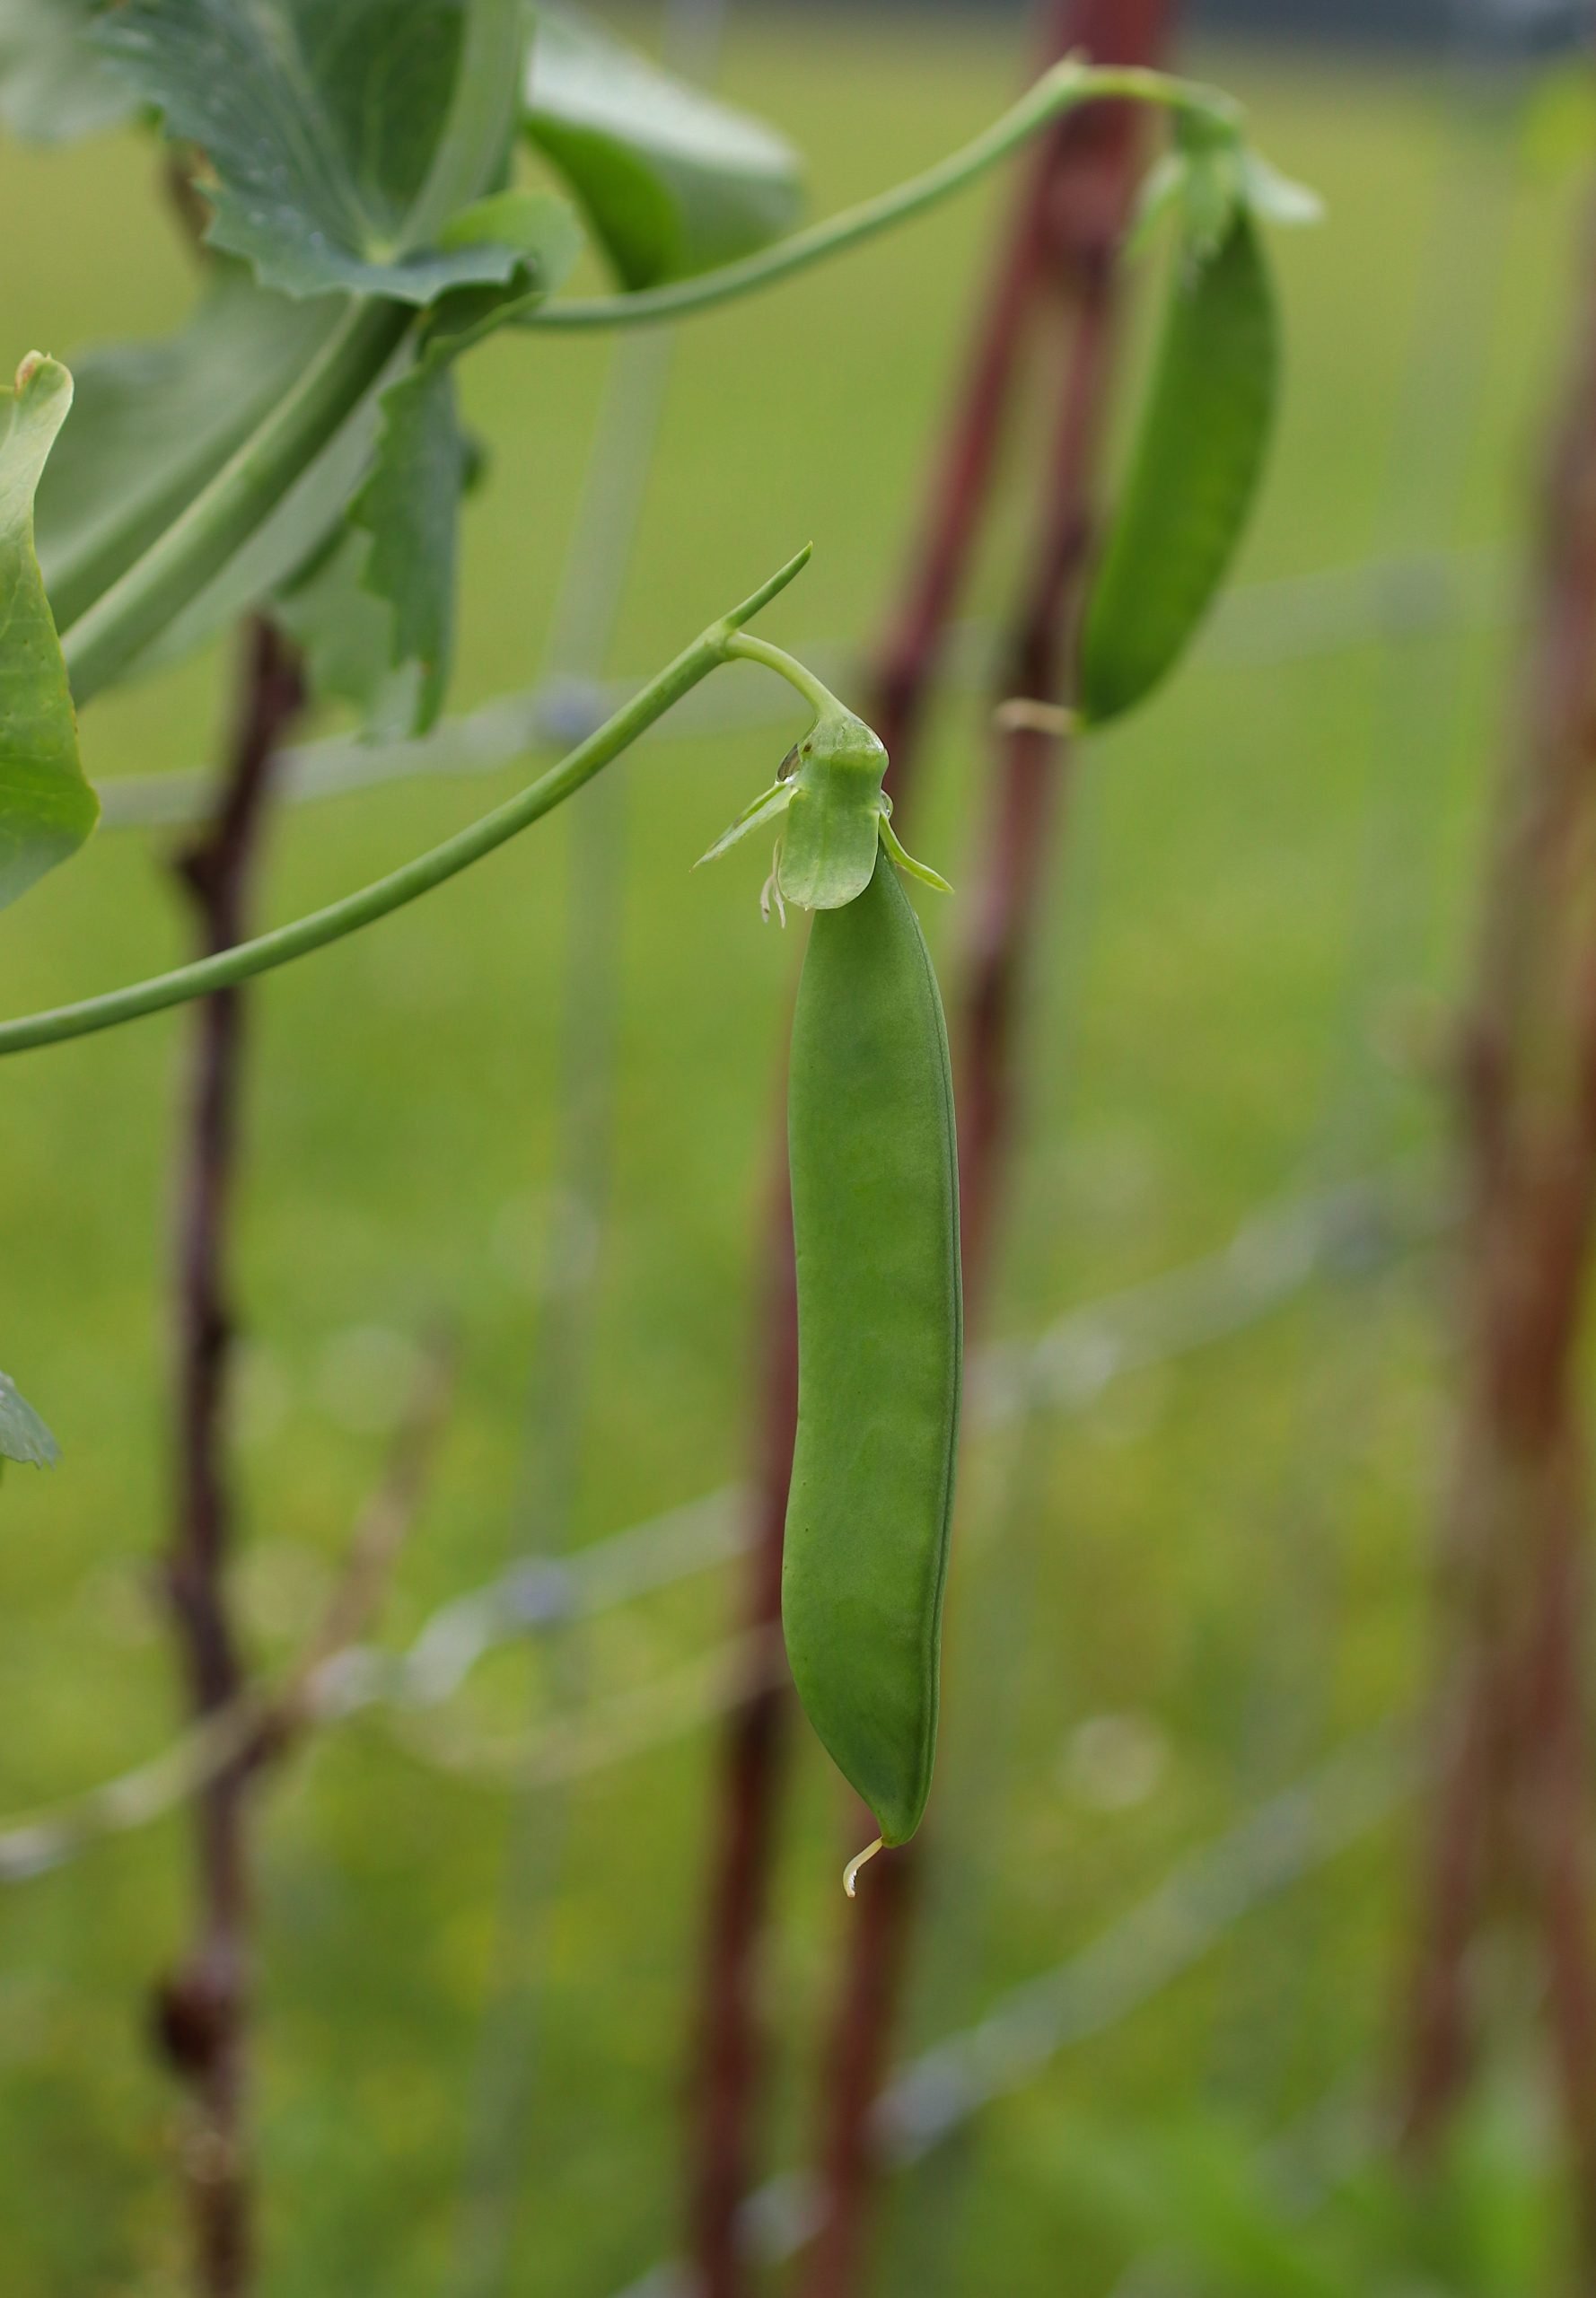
767 807
897 851
1209 177
23 1436
1276 199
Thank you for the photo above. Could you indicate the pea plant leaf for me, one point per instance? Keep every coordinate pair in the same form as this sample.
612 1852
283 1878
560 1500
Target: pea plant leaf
410 508
330 129
153 421
374 607
671 181
47 808
375 611
54 85
297 527
23 1436
547 238
346 633
152 424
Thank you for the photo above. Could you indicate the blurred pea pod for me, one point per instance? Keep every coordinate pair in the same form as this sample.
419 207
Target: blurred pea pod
1205 429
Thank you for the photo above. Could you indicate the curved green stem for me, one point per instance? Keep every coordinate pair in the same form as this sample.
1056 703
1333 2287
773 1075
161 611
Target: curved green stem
268 951
820 698
1061 89
200 542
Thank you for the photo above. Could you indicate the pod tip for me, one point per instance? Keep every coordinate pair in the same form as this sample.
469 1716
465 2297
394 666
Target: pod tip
850 1874
1020 715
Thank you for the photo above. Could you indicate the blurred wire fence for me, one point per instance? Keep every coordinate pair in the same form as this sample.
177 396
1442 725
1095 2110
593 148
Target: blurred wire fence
1287 1838
1345 1235
1289 619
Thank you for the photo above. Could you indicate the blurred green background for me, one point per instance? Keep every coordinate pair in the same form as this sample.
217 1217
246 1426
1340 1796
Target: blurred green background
1169 1603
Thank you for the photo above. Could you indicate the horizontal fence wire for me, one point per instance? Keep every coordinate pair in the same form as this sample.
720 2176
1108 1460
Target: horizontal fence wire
1343 1235
1291 619
1288 1837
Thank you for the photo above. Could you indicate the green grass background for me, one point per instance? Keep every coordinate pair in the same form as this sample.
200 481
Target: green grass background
1258 913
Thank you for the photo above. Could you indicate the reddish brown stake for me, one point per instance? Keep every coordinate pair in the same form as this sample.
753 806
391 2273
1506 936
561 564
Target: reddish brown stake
753 1758
1506 1828
960 483
1087 201
753 1763
202 2007
729 2047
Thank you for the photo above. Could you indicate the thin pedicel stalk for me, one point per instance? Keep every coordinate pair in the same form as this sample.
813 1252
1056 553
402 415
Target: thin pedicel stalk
1093 184
412 879
729 2049
1507 1821
203 2006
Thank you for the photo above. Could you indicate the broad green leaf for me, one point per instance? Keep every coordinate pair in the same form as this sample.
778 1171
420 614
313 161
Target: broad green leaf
346 635
672 182
373 608
374 611
23 1436
53 85
547 238
153 421
47 808
297 528
410 508
323 121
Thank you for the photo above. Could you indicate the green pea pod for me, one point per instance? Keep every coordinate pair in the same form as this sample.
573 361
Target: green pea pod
1194 473
875 1219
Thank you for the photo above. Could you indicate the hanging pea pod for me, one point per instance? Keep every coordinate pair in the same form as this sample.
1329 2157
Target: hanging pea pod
873 1161
1195 467
875 1222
